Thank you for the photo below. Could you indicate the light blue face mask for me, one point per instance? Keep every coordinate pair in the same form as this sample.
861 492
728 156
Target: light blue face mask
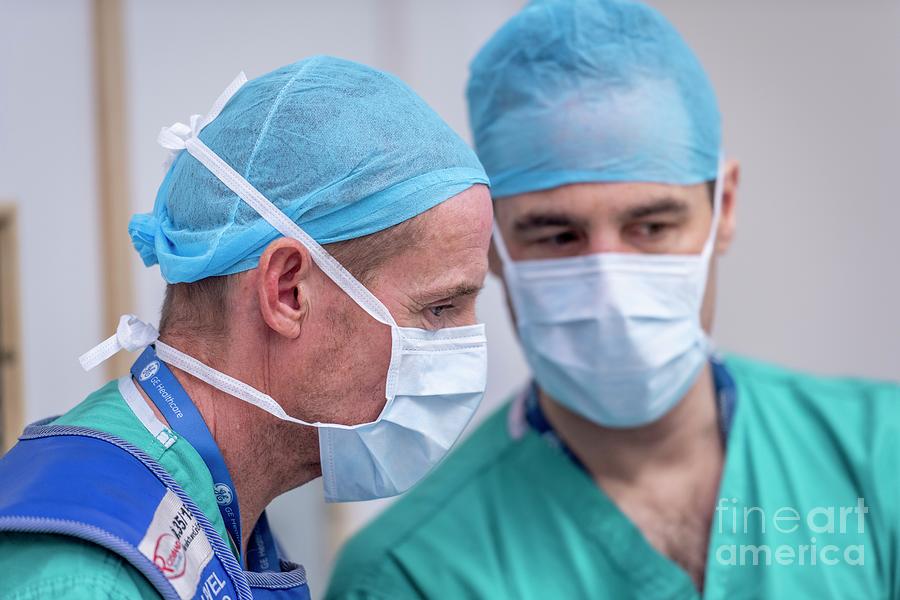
434 384
615 338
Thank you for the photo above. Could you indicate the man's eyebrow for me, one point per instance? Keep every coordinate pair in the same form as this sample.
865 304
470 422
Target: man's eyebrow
655 208
537 220
544 219
454 291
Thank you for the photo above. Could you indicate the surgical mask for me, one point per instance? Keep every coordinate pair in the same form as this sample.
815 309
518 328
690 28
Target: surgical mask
434 384
616 338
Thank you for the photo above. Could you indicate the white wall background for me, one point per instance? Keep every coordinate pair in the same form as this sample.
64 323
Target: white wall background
47 168
809 91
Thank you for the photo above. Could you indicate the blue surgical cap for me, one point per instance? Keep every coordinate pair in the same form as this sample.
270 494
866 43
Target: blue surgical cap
574 91
342 149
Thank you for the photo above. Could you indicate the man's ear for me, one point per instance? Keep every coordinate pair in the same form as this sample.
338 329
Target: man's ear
731 176
284 270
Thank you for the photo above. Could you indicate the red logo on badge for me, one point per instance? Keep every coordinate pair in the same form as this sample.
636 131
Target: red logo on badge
169 557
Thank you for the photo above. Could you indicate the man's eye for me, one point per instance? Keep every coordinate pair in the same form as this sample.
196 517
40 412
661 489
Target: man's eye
560 239
651 229
437 310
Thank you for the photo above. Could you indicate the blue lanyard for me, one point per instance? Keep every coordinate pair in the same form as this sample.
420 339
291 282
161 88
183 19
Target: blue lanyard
262 550
726 399
537 420
160 384
726 395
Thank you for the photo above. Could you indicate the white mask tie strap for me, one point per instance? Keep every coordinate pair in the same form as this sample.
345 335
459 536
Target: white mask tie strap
132 334
232 386
180 137
277 219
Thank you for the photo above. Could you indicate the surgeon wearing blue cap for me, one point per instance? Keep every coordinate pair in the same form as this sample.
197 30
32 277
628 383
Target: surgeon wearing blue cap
324 235
638 462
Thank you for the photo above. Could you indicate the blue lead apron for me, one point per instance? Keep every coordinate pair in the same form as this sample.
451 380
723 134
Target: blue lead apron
93 486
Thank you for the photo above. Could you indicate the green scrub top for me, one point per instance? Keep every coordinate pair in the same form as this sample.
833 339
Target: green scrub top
509 516
45 566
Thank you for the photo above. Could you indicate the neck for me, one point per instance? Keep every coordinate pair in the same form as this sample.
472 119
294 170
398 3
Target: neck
686 437
264 455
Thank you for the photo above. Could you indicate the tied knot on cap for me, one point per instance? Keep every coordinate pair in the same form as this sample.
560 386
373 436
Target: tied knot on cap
132 334
143 229
174 137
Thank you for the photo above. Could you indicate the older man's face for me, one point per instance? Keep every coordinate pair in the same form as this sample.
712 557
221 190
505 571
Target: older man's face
431 284
434 282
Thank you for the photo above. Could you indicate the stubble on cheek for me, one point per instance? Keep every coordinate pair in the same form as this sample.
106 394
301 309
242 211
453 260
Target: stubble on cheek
350 365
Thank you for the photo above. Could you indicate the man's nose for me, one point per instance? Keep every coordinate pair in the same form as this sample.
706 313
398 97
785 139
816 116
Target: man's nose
606 240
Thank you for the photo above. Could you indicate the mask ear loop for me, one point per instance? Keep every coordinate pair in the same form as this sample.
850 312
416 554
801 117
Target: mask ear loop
708 345
500 245
718 190
509 270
